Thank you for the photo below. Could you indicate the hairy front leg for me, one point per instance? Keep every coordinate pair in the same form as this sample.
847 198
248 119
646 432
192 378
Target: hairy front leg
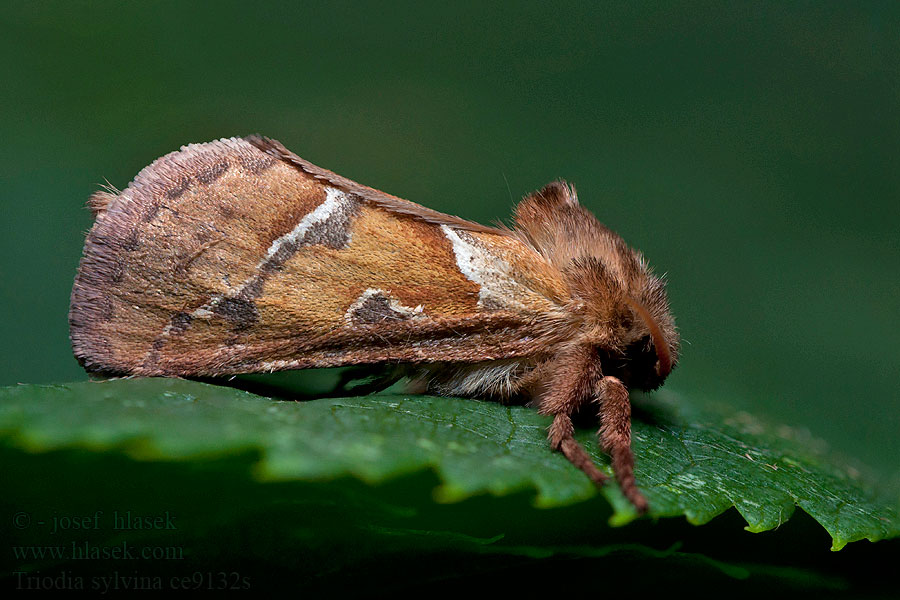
575 373
615 437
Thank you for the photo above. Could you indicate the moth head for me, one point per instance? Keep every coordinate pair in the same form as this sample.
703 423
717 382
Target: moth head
620 306
653 356
625 316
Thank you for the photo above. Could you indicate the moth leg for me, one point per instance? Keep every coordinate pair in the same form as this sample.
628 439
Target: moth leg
561 439
574 375
366 379
615 437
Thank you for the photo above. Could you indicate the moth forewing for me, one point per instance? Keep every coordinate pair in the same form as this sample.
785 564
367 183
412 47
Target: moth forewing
238 256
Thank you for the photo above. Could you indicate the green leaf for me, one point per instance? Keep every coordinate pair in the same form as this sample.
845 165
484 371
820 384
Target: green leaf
691 460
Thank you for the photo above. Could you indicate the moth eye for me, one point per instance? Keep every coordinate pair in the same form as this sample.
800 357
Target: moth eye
642 351
645 344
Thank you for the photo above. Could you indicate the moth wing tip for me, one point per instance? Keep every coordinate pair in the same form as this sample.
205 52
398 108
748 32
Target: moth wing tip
100 200
266 144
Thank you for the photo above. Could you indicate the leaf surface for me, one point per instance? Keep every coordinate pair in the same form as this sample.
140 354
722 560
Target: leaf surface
691 460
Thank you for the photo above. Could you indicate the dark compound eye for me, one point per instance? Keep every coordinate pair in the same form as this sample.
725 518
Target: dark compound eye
642 346
643 363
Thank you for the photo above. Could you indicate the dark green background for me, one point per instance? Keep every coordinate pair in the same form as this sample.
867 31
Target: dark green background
749 149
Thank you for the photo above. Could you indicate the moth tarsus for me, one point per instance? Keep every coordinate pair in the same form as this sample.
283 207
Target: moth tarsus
237 256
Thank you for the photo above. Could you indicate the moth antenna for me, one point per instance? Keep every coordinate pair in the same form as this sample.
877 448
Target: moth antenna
662 349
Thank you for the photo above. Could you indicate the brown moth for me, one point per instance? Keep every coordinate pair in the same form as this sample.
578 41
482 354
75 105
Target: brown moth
238 256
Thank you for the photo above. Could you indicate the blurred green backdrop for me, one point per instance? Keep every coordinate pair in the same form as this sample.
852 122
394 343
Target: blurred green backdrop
749 149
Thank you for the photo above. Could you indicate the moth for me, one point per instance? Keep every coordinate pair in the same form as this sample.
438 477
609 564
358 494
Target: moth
238 256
